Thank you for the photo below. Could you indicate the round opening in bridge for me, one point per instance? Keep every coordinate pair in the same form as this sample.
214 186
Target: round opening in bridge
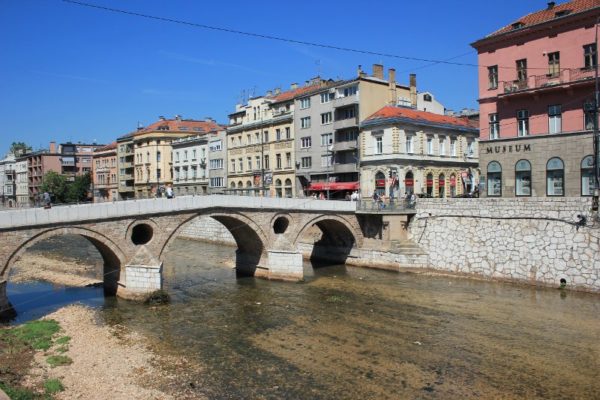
141 234
280 225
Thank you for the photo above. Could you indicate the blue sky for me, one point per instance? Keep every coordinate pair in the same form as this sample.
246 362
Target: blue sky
73 73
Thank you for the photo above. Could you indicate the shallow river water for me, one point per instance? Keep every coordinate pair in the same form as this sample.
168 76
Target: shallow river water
352 333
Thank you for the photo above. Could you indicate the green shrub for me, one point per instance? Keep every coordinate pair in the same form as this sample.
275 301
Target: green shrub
38 334
53 386
56 361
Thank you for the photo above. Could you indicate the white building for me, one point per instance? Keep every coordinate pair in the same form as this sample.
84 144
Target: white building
217 162
190 165
22 183
409 151
7 181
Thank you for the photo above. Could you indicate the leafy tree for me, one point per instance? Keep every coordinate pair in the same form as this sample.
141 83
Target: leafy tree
56 185
78 190
19 148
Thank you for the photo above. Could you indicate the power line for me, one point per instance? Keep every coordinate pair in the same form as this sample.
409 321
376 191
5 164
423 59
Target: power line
432 62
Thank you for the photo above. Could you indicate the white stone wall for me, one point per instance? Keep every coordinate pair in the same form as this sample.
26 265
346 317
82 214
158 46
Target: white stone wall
209 230
532 240
285 265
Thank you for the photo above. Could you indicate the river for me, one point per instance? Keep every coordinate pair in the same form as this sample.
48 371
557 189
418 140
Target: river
352 333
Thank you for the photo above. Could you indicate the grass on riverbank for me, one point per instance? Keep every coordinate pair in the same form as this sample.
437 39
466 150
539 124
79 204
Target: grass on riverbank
18 346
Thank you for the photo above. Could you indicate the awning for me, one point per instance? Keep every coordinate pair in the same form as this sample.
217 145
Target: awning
316 186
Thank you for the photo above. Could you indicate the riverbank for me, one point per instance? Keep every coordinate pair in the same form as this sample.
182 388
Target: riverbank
38 267
102 362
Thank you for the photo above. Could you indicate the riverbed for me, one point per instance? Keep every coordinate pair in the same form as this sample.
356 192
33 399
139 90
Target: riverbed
352 333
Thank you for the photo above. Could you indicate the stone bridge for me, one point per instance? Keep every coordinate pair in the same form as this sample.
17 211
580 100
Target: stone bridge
133 236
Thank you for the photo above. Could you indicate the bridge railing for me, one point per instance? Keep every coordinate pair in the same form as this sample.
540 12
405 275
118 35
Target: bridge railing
387 205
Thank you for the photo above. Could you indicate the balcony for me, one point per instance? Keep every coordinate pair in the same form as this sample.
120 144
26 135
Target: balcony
345 146
344 168
345 101
563 78
345 123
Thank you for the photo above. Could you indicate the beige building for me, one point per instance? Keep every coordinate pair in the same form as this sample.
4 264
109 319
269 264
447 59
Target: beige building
104 173
260 144
410 151
153 166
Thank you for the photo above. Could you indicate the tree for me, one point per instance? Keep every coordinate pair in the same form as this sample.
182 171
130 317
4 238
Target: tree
78 189
19 148
56 185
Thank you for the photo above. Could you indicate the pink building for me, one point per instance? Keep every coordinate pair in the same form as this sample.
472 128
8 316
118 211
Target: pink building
536 95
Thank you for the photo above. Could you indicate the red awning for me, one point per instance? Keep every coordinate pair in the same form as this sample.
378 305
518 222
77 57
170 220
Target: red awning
409 182
317 186
429 182
380 182
442 182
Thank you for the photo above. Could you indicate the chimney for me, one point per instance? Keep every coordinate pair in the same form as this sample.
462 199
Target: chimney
52 147
294 86
551 5
178 117
162 118
392 86
378 71
277 91
413 90
269 93
209 119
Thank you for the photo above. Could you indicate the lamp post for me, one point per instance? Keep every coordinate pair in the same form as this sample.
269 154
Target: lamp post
596 139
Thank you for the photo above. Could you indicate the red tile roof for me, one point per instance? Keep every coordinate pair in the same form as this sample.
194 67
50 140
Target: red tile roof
538 17
176 125
291 94
111 146
420 116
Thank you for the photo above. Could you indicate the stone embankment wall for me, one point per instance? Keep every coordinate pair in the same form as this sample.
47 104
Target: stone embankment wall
528 240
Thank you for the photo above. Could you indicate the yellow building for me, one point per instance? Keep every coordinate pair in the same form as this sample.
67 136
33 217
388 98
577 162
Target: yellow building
152 152
104 173
260 144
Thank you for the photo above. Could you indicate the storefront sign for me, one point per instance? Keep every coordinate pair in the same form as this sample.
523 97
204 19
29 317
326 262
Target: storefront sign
511 148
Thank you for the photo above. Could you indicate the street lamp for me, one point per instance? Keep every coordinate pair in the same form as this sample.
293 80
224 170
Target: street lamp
596 139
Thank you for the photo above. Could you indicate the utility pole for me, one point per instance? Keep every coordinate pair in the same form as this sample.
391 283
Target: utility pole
596 139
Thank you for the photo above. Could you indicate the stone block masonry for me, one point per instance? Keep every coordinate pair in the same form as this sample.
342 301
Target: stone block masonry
207 229
533 240
143 279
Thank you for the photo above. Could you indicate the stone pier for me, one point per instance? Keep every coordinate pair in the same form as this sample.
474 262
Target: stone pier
6 309
285 265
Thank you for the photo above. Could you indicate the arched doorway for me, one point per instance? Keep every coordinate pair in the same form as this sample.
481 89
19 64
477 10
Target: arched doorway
380 183
409 183
442 185
452 185
429 185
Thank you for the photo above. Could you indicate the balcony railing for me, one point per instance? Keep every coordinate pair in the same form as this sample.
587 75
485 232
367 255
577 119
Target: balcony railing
565 76
345 101
345 123
344 146
344 168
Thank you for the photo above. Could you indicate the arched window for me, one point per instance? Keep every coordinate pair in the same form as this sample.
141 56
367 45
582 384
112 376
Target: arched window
587 176
288 188
278 191
442 183
523 178
429 185
555 177
232 185
380 183
409 182
452 185
494 179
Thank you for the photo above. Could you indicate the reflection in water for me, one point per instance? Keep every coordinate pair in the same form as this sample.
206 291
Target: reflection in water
348 333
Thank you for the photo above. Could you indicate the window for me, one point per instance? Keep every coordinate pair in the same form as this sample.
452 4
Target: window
555 182
427 97
278 161
554 64
522 70
232 165
257 158
305 122
257 137
249 163
429 145
350 91
554 119
326 139
590 57
158 174
378 145
241 164
494 179
288 160
470 148
494 126
587 176
215 146
326 118
216 182
248 139
216 164
523 122
346 113
523 178
588 115
305 142
326 97
306 162
278 134
326 161
305 103
288 132
442 145
493 77
409 144
193 155
266 162
266 137
185 154
453 147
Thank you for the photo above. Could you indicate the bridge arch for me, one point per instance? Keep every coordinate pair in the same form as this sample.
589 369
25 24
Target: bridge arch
111 253
249 237
338 237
